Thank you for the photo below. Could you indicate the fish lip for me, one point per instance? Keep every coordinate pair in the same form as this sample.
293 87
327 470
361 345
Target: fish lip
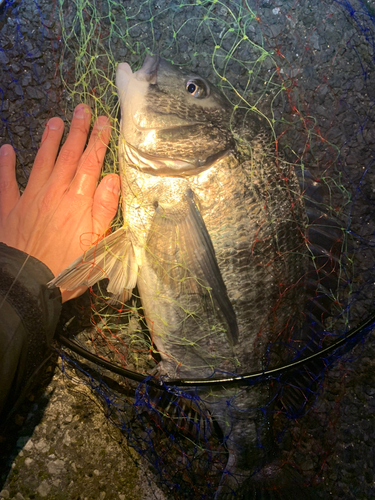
147 73
149 70
163 166
125 68
123 76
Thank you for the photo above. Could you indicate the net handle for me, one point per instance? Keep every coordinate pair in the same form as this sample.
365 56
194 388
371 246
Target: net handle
349 341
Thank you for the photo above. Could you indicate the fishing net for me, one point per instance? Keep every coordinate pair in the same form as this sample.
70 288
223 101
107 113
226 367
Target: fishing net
307 67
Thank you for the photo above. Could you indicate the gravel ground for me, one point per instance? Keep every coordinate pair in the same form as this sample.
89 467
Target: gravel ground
60 444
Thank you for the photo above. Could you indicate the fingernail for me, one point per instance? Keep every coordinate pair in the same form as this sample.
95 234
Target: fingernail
113 185
54 124
81 111
5 150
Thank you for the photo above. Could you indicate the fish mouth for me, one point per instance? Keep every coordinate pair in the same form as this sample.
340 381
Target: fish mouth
168 167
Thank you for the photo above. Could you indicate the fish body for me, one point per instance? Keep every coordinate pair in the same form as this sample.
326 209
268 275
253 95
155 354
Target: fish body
249 244
250 208
214 237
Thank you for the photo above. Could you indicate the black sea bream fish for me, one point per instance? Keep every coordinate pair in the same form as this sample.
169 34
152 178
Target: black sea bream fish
214 237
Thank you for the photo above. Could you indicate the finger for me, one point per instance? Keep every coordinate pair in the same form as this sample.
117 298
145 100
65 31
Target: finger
71 152
105 203
91 163
9 192
46 156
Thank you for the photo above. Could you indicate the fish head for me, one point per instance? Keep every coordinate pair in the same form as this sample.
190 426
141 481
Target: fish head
173 122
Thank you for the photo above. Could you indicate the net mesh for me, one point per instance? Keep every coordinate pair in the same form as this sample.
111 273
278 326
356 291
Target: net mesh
307 68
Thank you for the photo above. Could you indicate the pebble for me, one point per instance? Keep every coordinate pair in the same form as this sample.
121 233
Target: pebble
67 439
42 446
3 58
44 488
4 494
35 93
56 467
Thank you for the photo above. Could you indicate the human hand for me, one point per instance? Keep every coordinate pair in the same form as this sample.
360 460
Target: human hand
62 211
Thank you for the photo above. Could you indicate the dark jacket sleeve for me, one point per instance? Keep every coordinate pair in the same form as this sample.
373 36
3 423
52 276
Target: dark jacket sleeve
29 312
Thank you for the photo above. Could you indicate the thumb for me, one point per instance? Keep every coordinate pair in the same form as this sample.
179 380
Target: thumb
105 203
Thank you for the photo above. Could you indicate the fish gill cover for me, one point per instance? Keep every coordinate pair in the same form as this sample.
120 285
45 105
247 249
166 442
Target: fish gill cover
308 68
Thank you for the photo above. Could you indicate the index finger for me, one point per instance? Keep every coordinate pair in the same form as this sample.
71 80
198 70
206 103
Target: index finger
90 165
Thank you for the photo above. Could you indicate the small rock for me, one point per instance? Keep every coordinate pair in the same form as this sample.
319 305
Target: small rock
4 494
52 95
19 496
135 31
44 488
16 68
56 467
67 439
35 53
18 89
121 497
4 59
102 495
42 446
26 79
96 472
28 461
35 93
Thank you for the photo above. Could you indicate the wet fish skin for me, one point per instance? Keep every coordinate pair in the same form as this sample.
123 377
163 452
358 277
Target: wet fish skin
192 178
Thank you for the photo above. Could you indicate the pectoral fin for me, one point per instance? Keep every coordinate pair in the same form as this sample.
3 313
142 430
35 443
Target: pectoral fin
113 258
179 240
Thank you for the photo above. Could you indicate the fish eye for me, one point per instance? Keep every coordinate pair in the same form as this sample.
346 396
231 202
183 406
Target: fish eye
197 88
